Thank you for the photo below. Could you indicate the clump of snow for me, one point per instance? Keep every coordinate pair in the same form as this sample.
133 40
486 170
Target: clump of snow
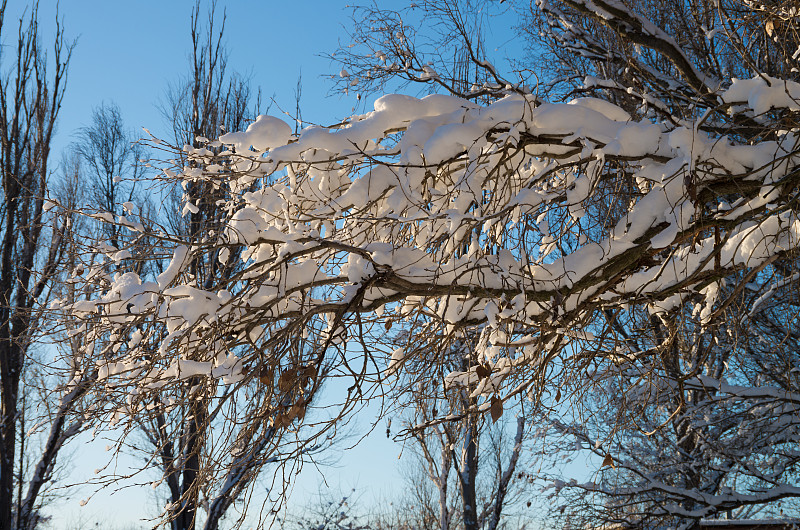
265 133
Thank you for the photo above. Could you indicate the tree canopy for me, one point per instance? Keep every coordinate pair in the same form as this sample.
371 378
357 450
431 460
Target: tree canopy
559 239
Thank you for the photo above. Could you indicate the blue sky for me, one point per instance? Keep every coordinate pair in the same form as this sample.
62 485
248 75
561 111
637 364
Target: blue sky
128 53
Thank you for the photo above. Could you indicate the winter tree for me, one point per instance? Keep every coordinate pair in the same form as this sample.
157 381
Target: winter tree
207 442
470 466
682 447
579 44
112 164
465 471
542 224
34 244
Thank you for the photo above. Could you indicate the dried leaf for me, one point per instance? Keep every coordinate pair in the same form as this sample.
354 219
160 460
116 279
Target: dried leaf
297 411
388 325
769 27
286 380
308 374
558 395
482 371
496 408
608 461
265 375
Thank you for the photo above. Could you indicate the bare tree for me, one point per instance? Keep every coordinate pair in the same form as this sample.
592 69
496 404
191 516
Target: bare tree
209 101
60 385
32 248
430 46
470 460
332 514
208 456
112 163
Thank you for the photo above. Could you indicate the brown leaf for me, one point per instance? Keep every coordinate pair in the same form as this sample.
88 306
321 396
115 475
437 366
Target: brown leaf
286 380
769 27
608 461
265 375
308 374
482 371
388 325
496 408
558 395
297 411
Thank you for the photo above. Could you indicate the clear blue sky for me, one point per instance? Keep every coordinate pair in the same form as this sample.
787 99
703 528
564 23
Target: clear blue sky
128 53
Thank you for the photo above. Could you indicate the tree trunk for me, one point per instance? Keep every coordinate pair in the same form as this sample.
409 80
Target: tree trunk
469 474
9 372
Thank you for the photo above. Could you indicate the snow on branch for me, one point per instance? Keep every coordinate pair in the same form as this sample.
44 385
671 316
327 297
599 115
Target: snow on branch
470 213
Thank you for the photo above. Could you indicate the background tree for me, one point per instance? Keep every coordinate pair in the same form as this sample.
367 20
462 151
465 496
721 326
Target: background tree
112 162
470 464
332 514
32 249
210 100
57 385
209 442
